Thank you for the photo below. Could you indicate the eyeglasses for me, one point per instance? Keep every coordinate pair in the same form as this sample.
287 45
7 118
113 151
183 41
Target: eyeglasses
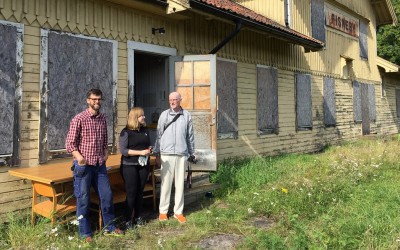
174 100
95 99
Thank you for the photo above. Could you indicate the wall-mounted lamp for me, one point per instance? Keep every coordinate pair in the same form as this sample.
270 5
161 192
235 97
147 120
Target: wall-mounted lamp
159 30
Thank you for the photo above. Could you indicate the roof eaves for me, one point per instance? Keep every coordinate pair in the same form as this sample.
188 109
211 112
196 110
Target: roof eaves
389 67
385 12
234 11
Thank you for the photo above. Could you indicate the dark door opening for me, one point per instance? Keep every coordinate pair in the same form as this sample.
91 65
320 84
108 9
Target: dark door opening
151 87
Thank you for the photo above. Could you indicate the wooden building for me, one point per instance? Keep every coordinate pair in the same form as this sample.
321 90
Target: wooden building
260 77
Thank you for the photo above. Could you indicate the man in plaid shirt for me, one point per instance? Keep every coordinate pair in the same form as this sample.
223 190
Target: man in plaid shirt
87 141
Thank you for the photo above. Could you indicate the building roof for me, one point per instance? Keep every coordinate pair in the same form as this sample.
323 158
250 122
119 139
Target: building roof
389 67
384 12
234 11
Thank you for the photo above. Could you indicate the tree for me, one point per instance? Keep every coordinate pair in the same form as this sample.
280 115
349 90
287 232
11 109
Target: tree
388 39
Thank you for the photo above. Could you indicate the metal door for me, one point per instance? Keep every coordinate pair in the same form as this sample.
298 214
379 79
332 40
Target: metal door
194 77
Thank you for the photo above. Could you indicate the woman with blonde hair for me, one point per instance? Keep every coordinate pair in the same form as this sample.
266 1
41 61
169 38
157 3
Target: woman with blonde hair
134 144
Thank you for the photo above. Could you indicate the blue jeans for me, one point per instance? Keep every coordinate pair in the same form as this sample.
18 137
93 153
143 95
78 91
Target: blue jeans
84 178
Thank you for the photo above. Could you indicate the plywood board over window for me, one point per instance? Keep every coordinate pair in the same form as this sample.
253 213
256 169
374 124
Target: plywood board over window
73 65
318 20
227 113
329 102
267 100
303 101
364 102
10 90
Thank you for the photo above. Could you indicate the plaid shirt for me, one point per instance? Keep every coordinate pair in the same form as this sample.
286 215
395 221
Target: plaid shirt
88 135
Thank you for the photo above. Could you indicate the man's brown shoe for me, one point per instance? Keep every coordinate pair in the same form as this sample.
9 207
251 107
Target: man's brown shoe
163 217
180 217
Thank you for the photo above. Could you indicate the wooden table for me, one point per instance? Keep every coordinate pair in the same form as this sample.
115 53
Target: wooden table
50 180
58 172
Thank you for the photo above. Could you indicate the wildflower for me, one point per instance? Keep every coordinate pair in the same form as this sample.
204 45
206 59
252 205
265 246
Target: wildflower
250 210
256 193
76 222
70 237
273 188
309 194
284 190
159 243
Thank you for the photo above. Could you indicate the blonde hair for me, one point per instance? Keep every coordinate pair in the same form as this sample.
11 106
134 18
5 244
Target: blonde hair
133 119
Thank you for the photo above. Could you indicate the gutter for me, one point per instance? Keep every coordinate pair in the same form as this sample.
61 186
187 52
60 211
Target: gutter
228 38
279 33
158 2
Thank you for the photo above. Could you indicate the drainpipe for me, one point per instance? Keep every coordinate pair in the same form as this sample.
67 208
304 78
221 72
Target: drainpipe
228 38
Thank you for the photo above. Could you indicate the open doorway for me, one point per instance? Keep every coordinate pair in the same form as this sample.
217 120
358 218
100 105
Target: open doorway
148 80
151 87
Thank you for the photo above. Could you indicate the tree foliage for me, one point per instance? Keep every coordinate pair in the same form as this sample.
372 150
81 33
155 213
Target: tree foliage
389 39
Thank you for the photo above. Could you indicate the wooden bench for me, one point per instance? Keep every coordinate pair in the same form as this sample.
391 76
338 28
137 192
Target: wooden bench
58 204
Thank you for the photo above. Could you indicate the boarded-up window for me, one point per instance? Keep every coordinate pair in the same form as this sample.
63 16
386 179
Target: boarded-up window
318 19
329 102
227 115
398 102
10 90
366 101
357 101
74 65
371 101
303 101
267 100
8 38
363 40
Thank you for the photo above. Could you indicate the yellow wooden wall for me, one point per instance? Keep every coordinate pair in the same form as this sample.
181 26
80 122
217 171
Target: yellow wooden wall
273 9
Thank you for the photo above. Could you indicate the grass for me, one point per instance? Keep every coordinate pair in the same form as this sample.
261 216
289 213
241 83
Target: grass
347 197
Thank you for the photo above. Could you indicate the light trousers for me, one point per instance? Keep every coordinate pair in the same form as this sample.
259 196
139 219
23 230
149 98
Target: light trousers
172 167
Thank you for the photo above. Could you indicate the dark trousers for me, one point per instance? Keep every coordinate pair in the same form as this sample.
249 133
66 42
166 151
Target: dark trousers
135 177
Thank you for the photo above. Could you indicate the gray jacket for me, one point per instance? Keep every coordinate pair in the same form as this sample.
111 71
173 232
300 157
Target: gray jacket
178 138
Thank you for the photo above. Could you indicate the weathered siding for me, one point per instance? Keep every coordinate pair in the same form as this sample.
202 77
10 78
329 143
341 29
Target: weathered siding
386 114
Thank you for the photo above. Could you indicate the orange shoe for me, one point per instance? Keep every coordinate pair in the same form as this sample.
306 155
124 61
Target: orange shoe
180 217
163 217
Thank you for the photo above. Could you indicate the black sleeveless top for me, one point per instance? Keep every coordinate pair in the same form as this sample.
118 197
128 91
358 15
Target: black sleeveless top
135 140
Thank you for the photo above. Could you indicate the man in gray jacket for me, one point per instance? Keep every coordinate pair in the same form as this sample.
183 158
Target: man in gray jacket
174 143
